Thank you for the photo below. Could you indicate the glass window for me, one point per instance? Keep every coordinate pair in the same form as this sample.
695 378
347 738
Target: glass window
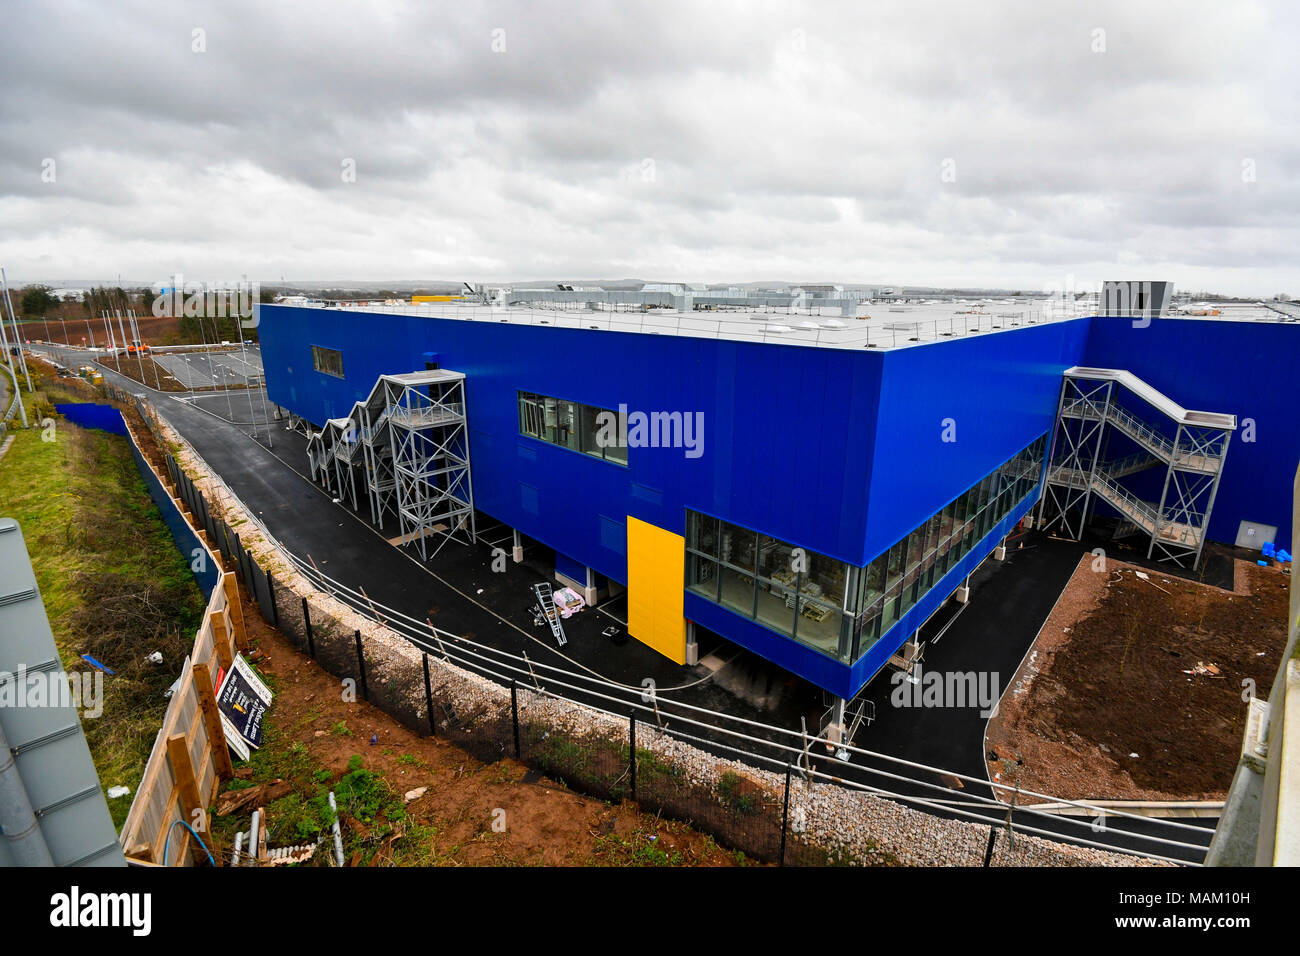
568 424
893 586
822 625
589 431
915 552
702 576
874 581
737 590
794 591
702 533
933 527
737 546
825 580
776 562
775 608
530 414
329 361
947 539
834 607
546 419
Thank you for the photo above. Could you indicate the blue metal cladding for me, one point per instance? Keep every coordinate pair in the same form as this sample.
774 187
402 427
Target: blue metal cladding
779 452
1249 369
838 451
951 412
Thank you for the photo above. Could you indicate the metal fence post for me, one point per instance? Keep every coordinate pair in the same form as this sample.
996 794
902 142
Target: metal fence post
270 592
306 620
785 814
428 697
514 712
361 665
993 838
631 753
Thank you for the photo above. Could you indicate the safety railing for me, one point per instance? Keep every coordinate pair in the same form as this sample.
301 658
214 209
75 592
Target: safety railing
759 324
765 746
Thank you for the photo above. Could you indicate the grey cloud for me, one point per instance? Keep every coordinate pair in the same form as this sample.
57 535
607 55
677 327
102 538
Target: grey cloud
734 141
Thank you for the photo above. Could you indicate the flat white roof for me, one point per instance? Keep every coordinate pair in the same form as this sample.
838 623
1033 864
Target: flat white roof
878 325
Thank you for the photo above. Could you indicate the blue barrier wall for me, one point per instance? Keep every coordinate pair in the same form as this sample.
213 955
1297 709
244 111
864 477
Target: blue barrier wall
209 575
91 415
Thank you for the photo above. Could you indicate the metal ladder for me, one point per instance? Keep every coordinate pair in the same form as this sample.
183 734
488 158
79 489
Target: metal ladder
547 603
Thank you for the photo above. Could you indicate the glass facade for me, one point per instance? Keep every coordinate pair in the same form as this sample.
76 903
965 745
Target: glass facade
567 424
793 591
834 607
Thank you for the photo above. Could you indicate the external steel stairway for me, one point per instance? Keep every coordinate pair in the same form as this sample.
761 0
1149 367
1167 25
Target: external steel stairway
1097 407
406 447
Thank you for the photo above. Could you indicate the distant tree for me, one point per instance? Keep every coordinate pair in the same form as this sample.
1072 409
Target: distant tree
266 295
147 297
37 300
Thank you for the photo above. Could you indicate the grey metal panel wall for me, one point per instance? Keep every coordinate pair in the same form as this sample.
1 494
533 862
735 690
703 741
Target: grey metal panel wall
51 753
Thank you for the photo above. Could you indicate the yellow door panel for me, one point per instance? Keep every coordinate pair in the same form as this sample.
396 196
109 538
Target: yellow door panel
656 570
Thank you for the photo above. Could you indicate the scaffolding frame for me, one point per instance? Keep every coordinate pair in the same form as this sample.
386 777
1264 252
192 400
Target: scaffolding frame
1079 473
408 440
429 438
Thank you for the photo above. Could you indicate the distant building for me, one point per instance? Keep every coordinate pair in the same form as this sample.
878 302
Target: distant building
1138 299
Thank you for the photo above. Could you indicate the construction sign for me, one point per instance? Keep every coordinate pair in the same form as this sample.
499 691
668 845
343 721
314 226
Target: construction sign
243 701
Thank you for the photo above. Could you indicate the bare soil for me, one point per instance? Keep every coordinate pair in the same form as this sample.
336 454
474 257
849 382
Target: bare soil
1134 688
73 330
546 824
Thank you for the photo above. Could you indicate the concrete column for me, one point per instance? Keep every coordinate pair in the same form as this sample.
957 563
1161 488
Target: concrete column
692 645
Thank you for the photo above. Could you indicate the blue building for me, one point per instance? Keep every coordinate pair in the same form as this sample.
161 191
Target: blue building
812 491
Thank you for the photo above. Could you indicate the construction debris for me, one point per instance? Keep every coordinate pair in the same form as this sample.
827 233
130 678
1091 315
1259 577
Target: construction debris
284 855
234 800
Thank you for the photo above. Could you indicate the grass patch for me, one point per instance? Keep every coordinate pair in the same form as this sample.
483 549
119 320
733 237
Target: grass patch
113 583
372 815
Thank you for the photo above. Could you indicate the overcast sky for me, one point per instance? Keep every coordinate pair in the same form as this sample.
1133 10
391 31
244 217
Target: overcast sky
988 144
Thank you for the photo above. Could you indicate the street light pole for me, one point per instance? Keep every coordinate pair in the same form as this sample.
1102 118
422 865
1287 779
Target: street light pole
18 338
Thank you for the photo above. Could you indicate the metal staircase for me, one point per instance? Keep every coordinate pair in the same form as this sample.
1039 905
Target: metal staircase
1096 408
407 446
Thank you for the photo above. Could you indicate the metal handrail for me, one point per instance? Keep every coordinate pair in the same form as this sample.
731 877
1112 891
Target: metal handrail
856 332
505 667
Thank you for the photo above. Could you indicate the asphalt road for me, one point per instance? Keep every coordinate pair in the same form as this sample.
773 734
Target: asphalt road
208 369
